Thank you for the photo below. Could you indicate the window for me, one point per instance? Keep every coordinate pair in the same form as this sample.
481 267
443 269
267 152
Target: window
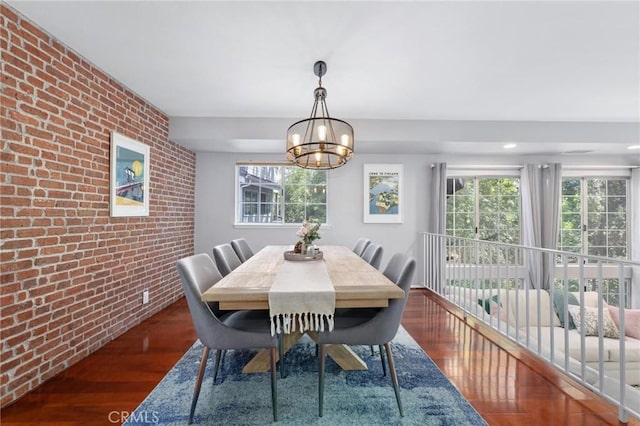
594 216
484 208
280 194
595 222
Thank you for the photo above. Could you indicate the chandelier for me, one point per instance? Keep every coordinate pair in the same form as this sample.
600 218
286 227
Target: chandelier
320 141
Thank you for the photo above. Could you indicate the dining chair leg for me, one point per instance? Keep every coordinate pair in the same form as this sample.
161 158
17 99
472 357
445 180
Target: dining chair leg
384 366
321 380
274 389
216 367
394 377
196 389
281 355
373 353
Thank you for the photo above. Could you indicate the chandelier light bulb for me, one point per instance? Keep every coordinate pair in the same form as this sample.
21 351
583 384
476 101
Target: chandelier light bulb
322 133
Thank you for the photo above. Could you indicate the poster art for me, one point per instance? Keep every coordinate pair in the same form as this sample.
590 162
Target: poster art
129 177
383 193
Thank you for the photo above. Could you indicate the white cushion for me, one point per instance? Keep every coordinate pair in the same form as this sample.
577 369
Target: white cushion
611 347
591 298
535 298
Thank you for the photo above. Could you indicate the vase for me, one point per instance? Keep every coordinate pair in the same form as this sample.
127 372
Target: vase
312 249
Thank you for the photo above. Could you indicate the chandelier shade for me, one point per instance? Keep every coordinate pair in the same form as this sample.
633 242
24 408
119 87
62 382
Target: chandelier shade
320 141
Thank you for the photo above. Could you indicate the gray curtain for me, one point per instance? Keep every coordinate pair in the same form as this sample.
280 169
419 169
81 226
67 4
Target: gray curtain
541 187
438 202
434 255
634 208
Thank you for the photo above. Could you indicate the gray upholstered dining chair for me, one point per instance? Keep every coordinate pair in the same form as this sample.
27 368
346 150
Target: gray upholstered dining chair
226 259
361 245
377 328
238 330
242 249
373 255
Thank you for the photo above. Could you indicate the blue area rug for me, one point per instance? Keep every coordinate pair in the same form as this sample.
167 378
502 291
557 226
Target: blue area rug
351 398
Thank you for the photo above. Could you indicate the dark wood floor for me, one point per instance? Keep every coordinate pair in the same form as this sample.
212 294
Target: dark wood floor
504 384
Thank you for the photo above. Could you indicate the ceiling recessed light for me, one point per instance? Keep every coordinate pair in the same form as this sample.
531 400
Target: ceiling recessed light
510 145
634 147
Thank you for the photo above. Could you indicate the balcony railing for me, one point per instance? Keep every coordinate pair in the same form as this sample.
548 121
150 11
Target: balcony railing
527 294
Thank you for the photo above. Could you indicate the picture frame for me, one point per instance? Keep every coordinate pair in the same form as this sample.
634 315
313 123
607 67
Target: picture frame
383 193
129 173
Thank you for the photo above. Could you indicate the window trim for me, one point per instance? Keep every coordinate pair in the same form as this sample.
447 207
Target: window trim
574 172
491 174
584 176
508 172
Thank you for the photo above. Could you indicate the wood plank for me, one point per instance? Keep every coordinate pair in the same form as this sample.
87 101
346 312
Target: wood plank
356 283
263 305
261 362
343 355
235 305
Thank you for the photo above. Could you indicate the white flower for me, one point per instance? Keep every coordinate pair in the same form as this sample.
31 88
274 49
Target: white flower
308 232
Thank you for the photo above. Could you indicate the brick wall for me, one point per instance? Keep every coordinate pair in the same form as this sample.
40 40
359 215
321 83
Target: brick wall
72 276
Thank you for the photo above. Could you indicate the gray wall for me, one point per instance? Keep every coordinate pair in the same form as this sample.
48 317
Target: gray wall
215 175
215 198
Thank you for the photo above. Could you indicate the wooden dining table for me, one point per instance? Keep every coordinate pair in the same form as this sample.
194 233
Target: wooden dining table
356 283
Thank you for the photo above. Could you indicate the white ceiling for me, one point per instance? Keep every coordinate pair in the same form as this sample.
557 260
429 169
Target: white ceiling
422 74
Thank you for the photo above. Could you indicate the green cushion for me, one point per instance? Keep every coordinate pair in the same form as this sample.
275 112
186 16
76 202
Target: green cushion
558 305
486 303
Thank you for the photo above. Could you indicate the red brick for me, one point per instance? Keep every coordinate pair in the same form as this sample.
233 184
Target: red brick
24 118
34 111
35 82
12 93
16 169
17 62
26 274
47 106
37 32
35 52
11 136
55 193
14 71
38 133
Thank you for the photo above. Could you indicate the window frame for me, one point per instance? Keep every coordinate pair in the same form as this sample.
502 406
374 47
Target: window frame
584 175
476 175
237 198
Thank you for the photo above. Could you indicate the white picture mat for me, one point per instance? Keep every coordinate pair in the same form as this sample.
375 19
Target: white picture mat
383 193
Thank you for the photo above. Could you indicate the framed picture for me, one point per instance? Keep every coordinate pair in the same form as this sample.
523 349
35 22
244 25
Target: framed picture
129 192
383 188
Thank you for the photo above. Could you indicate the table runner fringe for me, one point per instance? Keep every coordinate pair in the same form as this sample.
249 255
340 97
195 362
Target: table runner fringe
286 323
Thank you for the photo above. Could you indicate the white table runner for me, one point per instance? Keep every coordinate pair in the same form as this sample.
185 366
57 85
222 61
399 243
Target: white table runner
301 297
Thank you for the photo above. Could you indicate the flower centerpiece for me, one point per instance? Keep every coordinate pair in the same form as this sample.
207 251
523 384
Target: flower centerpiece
307 233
